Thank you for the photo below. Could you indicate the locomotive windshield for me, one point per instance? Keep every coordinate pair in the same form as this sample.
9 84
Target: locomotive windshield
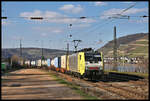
93 57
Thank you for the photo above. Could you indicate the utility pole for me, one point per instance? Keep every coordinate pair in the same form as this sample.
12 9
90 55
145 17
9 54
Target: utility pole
20 52
123 57
67 53
49 44
20 49
42 53
115 50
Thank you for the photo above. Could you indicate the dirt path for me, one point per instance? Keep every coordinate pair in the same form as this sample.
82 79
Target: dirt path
34 84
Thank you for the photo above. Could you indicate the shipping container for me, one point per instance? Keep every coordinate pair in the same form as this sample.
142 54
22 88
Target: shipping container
48 62
44 62
63 61
27 62
3 66
57 62
21 62
52 62
33 63
38 63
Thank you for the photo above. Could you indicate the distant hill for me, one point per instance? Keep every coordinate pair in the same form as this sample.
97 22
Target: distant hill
33 53
135 45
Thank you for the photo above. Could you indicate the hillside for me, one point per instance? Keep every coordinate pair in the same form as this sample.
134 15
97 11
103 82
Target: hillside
135 45
31 53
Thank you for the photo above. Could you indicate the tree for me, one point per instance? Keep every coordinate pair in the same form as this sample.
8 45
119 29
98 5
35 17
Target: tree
14 60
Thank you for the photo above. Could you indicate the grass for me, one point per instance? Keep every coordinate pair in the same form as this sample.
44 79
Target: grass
145 75
10 70
74 87
141 42
141 49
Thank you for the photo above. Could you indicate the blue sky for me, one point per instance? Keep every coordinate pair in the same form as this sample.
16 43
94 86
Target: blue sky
54 30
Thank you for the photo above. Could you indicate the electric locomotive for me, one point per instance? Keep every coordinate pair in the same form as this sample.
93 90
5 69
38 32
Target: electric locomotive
86 64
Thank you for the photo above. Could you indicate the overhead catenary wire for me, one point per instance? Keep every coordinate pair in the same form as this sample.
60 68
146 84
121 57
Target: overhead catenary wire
95 27
79 17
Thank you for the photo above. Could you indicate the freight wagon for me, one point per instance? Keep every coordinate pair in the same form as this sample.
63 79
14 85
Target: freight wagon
64 64
44 63
41 63
48 62
27 63
38 63
57 63
33 63
3 66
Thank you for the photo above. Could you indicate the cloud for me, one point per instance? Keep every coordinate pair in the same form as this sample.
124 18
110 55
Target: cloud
43 34
55 17
100 3
111 12
71 8
36 13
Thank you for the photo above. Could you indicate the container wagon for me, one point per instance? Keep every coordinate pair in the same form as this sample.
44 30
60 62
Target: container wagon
33 64
64 64
27 63
3 66
38 63
44 63
48 63
57 63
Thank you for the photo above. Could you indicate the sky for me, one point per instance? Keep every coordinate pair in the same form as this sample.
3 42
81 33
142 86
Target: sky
62 23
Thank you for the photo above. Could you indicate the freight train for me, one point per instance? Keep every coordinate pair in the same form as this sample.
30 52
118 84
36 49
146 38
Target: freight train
80 64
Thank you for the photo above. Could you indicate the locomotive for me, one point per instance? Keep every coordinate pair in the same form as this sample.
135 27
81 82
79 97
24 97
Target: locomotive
86 64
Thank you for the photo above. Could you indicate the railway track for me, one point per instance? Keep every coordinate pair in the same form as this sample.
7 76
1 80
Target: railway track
126 93
140 82
123 93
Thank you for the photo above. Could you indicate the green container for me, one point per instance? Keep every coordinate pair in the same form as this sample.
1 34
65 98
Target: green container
3 66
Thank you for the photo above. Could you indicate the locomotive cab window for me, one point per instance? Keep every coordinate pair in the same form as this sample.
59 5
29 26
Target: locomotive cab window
80 57
93 57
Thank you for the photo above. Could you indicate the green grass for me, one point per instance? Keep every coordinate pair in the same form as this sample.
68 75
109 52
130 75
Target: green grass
140 49
141 42
130 55
145 75
73 86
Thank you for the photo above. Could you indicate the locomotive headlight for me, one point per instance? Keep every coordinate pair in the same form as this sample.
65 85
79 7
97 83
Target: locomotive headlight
86 63
86 68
